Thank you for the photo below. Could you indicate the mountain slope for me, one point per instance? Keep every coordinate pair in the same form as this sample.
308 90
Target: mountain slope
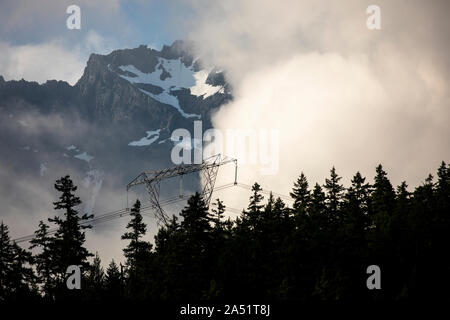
115 122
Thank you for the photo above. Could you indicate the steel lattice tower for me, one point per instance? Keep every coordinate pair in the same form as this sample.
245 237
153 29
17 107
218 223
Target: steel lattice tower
208 168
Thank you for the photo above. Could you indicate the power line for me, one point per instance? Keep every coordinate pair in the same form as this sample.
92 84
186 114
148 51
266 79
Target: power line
116 214
112 215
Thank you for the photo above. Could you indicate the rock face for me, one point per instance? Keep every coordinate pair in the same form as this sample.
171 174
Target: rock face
139 84
115 122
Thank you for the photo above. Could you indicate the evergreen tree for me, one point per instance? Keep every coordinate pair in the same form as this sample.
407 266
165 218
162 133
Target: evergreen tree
441 224
16 276
113 282
319 249
442 219
95 280
400 241
169 247
218 216
137 249
383 200
138 253
300 193
6 258
356 206
268 211
302 200
422 227
252 217
318 241
256 198
22 276
401 211
68 244
334 195
221 227
197 246
381 236
350 242
317 210
196 221
44 260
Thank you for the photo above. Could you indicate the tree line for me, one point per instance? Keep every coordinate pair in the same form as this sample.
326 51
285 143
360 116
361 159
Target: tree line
318 249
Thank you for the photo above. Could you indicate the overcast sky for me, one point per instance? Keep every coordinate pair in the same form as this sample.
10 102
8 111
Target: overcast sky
339 93
31 31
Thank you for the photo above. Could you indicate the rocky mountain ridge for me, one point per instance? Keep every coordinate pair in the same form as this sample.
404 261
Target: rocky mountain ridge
115 122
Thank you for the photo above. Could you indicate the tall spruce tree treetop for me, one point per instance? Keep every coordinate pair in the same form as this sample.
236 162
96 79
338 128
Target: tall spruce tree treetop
317 208
383 199
356 206
69 239
196 219
218 213
113 281
112 276
444 176
252 216
137 250
403 195
138 254
360 188
443 186
268 209
300 192
255 205
333 194
383 189
280 208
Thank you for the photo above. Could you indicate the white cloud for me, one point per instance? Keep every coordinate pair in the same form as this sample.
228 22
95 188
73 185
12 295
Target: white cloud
56 59
339 94
40 62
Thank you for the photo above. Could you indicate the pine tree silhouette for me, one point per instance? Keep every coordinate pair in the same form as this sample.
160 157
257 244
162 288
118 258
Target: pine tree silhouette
138 253
68 243
44 260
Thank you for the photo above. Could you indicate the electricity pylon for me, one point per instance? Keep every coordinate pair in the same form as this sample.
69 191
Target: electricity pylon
208 168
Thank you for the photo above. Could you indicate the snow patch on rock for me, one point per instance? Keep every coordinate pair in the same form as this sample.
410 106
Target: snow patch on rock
151 137
84 156
181 77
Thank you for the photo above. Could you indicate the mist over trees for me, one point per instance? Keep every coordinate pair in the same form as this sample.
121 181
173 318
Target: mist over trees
317 250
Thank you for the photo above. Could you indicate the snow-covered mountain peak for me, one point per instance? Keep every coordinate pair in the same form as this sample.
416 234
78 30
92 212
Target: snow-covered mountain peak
171 75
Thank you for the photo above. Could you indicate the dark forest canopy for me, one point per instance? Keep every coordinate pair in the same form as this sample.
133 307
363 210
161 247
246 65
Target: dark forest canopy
317 250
